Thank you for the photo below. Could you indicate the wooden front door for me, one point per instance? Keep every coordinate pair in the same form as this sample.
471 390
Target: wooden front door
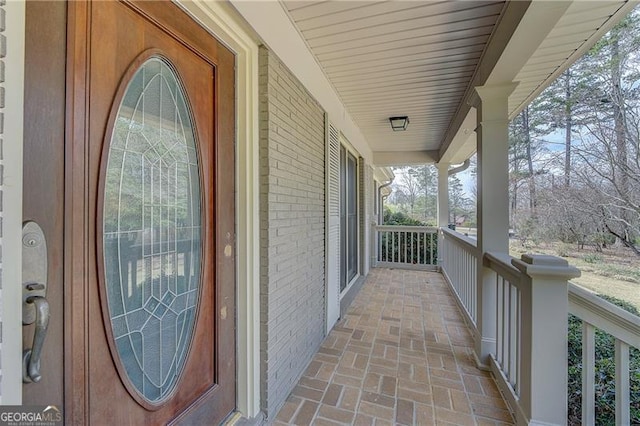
43 181
149 229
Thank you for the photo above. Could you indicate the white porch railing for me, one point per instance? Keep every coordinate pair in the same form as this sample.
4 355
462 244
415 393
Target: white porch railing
596 312
411 247
510 290
459 262
532 301
529 360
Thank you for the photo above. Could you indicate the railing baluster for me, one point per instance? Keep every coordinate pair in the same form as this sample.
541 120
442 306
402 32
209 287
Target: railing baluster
424 247
467 276
432 244
518 341
588 374
413 252
429 258
499 317
513 335
622 383
393 245
505 326
508 331
407 236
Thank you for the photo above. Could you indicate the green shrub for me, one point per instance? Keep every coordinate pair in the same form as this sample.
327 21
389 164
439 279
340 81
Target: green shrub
592 258
604 372
408 247
563 249
399 218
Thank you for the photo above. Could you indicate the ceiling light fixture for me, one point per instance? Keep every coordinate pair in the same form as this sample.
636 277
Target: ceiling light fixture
399 123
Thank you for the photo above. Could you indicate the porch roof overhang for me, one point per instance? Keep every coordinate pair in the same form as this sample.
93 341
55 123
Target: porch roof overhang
366 61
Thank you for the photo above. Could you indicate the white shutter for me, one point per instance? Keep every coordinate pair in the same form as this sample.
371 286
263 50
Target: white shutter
332 225
363 211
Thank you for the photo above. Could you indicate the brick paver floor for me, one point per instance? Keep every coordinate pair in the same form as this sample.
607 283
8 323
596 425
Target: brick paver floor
401 355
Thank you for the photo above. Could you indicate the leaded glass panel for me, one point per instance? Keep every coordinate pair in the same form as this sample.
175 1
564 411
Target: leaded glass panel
152 230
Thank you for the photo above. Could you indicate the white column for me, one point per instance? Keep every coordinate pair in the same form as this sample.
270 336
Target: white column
443 194
443 205
491 103
543 383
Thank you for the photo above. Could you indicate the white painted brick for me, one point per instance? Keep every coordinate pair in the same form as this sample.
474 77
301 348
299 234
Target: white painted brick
292 223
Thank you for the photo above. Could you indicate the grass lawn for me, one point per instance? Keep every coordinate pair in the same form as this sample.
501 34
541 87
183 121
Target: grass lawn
614 271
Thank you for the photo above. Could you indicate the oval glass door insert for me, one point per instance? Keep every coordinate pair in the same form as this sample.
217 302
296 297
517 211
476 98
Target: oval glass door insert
152 229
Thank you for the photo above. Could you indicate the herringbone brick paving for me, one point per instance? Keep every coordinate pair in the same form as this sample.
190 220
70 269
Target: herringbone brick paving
402 355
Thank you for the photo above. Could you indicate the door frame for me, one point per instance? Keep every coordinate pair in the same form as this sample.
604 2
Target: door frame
11 275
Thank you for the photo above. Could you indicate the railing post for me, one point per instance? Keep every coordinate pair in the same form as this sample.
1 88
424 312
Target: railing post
544 337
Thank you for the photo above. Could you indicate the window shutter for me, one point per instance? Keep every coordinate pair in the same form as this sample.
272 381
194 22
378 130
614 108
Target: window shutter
332 225
363 207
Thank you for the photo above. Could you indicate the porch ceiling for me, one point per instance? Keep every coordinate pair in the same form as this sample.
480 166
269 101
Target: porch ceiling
422 58
398 58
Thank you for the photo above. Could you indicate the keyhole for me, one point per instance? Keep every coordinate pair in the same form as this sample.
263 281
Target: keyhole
30 240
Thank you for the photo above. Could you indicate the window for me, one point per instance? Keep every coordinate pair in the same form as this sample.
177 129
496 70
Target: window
348 218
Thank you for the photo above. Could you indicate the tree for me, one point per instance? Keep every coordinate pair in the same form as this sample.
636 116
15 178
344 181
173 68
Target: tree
609 151
410 188
458 202
525 145
426 178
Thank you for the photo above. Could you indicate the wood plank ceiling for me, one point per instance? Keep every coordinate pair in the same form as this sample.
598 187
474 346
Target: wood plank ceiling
398 58
417 58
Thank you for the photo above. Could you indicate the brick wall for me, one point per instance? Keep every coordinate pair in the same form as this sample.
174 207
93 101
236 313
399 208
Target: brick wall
292 191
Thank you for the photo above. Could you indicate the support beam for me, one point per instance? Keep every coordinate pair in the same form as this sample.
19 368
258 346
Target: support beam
443 194
443 203
491 102
404 158
513 13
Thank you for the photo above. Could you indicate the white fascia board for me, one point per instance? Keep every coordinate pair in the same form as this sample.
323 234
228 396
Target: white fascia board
463 143
383 174
272 24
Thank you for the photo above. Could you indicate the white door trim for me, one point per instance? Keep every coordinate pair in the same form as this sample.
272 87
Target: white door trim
11 186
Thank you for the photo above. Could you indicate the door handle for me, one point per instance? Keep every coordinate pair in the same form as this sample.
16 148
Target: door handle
35 308
31 357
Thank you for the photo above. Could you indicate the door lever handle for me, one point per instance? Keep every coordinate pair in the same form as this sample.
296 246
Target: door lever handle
31 357
35 307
